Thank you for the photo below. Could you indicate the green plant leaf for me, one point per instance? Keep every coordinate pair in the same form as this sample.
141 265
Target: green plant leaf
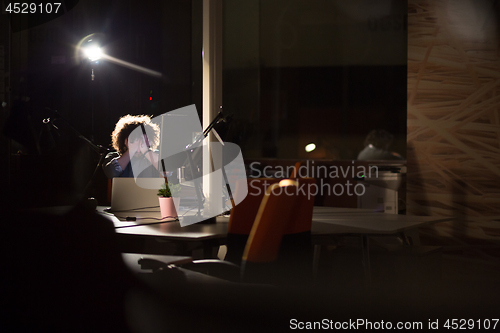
168 191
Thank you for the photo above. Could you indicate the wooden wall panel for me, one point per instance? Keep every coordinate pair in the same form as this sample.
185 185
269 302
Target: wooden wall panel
454 116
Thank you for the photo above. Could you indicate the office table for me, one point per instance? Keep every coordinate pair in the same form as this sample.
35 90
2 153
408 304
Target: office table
327 223
330 221
149 226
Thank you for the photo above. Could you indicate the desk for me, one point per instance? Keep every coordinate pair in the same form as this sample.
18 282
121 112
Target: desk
205 235
327 222
331 221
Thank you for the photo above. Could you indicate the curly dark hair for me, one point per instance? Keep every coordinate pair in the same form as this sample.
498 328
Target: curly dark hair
127 124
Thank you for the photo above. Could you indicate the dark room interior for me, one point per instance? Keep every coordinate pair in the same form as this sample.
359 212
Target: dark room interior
312 92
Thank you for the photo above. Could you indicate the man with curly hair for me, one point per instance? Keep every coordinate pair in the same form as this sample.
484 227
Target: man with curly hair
133 144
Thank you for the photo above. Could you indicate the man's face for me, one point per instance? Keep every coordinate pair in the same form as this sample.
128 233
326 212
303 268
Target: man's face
136 147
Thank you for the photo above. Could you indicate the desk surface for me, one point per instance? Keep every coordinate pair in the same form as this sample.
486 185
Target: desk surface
332 220
169 229
326 221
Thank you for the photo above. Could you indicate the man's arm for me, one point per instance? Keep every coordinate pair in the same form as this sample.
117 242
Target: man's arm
123 160
111 165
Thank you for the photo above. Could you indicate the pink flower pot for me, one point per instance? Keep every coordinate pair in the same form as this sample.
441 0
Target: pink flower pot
167 207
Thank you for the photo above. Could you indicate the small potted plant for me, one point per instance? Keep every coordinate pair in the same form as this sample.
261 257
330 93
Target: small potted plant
169 199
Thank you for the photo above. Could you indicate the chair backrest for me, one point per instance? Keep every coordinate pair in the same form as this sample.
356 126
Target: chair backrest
243 215
302 219
275 211
295 262
295 170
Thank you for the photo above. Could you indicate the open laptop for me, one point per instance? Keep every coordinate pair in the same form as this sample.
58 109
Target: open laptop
126 195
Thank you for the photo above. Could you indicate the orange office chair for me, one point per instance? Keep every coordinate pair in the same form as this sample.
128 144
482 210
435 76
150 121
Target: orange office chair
277 209
244 213
296 245
278 206
307 191
295 170
243 216
275 213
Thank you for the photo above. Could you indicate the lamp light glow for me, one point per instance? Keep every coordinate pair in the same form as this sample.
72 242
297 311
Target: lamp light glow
310 147
93 53
89 47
